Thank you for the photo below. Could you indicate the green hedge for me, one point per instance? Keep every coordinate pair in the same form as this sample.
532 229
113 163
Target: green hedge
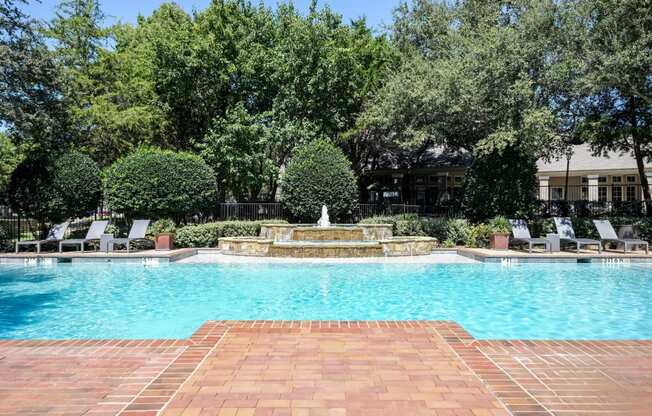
457 231
207 235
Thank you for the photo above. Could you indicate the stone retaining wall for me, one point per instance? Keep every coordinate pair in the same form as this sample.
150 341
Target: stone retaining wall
245 246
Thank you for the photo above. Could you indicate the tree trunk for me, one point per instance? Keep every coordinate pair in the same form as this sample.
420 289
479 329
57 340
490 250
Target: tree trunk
640 163
640 159
568 159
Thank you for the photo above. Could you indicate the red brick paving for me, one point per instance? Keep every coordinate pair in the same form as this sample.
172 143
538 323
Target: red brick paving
578 378
78 377
321 369
326 368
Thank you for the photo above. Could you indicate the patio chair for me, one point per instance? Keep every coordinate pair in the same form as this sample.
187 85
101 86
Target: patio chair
55 235
94 233
609 235
522 236
567 235
137 233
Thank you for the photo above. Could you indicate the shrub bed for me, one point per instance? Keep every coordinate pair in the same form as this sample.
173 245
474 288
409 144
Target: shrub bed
447 231
207 235
450 232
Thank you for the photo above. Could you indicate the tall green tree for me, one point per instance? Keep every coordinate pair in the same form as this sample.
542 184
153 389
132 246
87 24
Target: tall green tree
10 157
78 33
237 148
32 100
119 109
615 80
79 39
469 80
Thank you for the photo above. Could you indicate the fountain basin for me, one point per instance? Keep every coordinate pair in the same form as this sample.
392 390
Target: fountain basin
328 234
245 246
327 242
295 232
326 249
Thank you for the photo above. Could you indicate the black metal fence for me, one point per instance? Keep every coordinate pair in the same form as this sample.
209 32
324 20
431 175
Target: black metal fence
251 211
592 200
16 227
623 202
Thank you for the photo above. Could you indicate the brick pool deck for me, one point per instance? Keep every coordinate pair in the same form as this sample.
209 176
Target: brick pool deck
326 368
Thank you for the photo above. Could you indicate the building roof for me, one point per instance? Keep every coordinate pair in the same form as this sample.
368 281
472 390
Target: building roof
436 157
583 159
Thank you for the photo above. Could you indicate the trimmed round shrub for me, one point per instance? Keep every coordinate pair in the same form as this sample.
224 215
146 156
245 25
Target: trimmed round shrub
319 174
154 183
77 181
55 190
30 191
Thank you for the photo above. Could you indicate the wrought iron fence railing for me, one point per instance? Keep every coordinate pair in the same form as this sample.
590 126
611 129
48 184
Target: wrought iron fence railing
15 227
592 200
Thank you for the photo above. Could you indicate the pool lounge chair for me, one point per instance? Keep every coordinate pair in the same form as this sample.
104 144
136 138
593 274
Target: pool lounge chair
55 235
522 236
94 233
138 232
567 235
609 235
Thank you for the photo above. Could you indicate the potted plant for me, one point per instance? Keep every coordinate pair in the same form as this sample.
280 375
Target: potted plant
163 231
500 230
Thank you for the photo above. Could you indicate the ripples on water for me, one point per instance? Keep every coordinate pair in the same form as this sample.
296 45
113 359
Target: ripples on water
533 301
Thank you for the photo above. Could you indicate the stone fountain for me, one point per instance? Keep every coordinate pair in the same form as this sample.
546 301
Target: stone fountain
324 221
327 241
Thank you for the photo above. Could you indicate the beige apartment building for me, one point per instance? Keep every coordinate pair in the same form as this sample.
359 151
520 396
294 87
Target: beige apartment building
612 177
438 179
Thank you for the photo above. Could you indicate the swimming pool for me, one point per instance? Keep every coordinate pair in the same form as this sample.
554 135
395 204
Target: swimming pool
528 301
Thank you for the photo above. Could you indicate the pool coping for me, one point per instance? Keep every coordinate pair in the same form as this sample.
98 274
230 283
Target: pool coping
147 256
475 254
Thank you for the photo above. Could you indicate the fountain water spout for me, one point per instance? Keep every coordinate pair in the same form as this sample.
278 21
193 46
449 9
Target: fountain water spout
324 221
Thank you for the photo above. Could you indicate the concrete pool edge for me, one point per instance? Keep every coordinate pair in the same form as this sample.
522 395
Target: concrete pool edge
490 361
437 256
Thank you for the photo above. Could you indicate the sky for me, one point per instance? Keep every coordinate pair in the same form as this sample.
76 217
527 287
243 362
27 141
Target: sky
377 12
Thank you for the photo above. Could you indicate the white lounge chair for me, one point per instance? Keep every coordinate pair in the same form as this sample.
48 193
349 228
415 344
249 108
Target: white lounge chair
55 235
567 235
94 233
609 235
521 234
138 232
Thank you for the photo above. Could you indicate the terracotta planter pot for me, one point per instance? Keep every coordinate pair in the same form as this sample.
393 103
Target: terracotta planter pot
499 241
164 241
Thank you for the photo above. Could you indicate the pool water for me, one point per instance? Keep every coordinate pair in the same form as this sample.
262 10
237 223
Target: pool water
528 301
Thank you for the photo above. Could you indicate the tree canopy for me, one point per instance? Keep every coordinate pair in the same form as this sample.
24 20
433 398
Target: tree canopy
243 85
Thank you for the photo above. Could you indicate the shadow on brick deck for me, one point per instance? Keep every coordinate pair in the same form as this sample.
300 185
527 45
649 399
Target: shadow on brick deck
326 368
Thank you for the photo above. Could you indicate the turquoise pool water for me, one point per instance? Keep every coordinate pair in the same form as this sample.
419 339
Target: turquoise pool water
535 301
